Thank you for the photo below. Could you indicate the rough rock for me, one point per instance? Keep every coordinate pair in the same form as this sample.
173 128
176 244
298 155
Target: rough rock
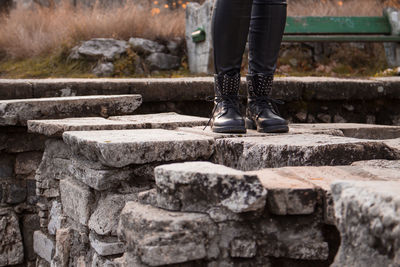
55 217
369 223
16 192
26 163
298 238
30 224
76 199
59 126
106 246
174 46
170 120
162 61
167 120
254 153
11 247
63 247
104 69
43 246
6 166
243 248
125 147
100 48
96 175
145 46
18 112
104 219
162 237
54 166
198 186
287 195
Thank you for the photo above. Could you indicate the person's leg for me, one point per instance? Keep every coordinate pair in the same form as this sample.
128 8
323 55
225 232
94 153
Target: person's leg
267 25
230 27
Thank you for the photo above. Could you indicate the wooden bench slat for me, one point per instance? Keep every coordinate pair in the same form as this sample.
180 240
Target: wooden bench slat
341 38
337 25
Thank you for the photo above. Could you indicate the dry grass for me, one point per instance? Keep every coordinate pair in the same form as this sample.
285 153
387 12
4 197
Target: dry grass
26 33
337 7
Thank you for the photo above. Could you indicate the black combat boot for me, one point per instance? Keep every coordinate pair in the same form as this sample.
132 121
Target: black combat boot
226 115
262 113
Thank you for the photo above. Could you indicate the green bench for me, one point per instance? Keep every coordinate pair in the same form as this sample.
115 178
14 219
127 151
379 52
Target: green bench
346 29
339 29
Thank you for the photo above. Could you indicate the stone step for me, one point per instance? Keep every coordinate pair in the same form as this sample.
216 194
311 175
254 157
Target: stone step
202 186
197 88
125 147
287 185
18 112
252 153
368 214
170 120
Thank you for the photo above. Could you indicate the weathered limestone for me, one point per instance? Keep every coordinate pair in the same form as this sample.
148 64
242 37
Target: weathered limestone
146 46
43 245
18 112
96 175
106 246
199 186
11 247
369 223
169 120
104 219
125 147
254 153
100 48
54 167
163 237
294 238
354 130
287 195
76 199
62 248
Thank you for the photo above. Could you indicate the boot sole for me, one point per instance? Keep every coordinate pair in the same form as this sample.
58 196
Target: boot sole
270 129
228 129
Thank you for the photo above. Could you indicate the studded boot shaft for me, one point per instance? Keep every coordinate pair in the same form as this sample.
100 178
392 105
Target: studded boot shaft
262 113
226 115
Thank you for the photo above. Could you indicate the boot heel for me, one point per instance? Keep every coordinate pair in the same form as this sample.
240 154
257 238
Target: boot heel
250 124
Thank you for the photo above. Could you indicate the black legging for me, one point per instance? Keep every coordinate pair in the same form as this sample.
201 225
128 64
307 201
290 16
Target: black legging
230 26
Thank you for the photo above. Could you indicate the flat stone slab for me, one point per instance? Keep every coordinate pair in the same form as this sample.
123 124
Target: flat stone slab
170 120
199 186
252 153
287 195
354 130
18 112
368 220
59 126
161 237
125 147
293 179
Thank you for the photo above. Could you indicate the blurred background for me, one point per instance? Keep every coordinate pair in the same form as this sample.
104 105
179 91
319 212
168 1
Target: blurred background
37 37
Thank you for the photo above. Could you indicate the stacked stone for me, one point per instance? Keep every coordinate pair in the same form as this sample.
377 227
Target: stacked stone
212 215
92 174
22 209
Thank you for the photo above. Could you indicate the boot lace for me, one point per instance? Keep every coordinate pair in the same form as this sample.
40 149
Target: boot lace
266 102
227 101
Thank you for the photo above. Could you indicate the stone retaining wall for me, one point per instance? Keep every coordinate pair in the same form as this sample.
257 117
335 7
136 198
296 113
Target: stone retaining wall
308 99
125 197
